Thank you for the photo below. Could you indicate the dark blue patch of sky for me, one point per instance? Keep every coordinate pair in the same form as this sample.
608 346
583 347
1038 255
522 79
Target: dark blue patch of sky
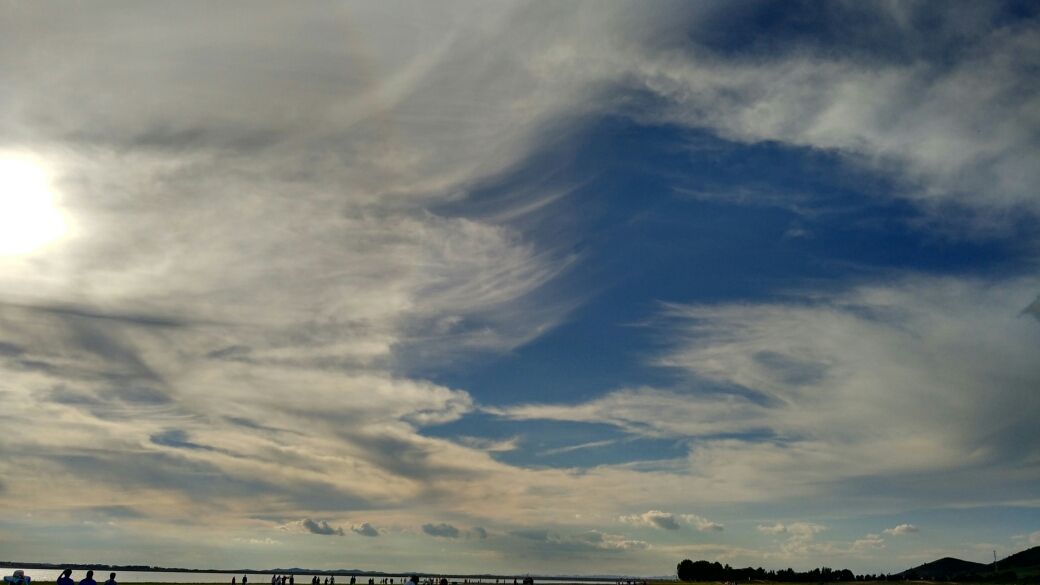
858 31
661 214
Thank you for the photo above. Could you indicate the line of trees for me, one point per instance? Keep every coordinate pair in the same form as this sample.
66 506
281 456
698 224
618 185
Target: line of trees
688 570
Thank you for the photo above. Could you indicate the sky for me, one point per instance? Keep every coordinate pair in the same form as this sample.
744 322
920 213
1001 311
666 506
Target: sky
558 287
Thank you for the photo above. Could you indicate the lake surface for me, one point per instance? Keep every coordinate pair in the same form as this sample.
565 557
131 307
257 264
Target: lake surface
254 579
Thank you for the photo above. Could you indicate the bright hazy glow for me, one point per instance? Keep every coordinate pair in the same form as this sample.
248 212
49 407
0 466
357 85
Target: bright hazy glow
28 216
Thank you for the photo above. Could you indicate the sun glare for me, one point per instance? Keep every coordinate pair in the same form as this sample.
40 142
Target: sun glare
29 217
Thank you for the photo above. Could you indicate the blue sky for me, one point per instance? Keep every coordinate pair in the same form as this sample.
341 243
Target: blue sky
581 287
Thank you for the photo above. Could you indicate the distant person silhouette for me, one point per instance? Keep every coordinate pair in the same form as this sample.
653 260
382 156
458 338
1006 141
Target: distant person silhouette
245 579
65 578
233 581
111 579
89 579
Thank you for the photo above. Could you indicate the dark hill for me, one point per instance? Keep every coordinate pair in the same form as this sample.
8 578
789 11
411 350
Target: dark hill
946 568
1025 562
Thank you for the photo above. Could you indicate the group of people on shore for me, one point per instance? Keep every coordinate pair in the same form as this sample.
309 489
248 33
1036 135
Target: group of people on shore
291 580
315 580
66 579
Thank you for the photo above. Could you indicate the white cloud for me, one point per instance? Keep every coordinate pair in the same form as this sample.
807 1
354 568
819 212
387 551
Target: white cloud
868 543
249 276
607 541
654 519
949 128
701 523
588 540
803 529
669 521
901 530
797 540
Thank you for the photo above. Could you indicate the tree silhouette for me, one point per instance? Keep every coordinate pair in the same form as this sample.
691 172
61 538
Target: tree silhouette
684 570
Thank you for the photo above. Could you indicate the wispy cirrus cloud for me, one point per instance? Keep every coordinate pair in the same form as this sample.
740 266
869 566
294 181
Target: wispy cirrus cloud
262 261
869 542
799 538
851 354
592 539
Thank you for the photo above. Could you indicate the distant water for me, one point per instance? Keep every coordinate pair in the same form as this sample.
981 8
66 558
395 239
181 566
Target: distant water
151 577
254 579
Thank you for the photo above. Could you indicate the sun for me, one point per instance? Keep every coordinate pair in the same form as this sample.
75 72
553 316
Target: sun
29 218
